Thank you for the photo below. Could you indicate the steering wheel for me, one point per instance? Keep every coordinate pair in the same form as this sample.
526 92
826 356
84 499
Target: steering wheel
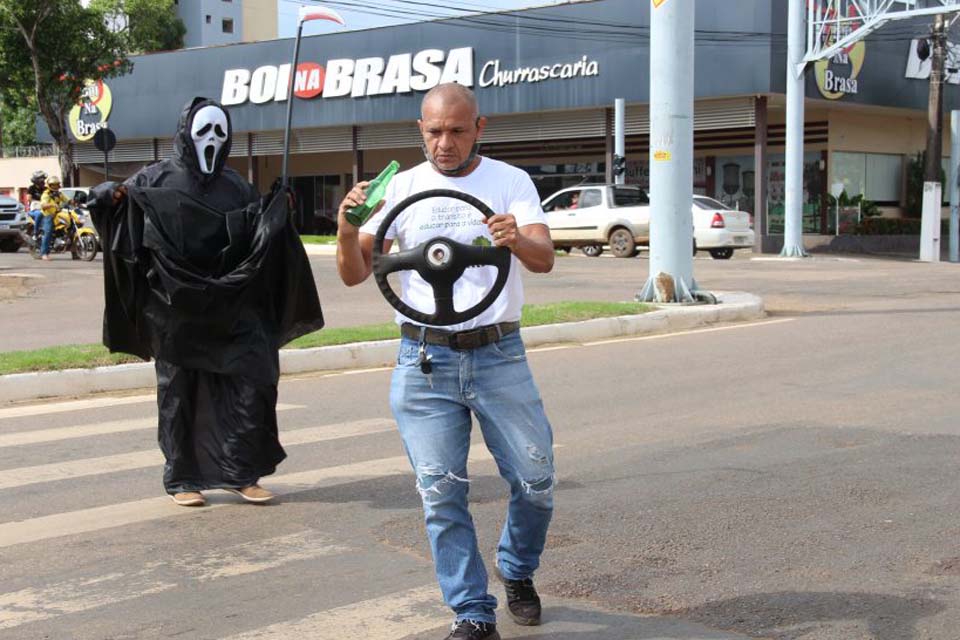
440 262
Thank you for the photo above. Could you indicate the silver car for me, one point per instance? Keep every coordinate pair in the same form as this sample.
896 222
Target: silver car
12 220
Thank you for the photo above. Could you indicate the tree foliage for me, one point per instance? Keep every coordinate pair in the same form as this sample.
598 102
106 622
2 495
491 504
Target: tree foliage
19 125
60 44
915 180
146 25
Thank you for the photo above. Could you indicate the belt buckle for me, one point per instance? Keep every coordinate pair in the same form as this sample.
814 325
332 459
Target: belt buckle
465 340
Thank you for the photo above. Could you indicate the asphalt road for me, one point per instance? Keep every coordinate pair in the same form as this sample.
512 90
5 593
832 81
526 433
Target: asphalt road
61 301
792 479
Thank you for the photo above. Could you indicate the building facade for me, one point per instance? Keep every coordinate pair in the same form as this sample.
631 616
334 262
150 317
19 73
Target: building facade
211 22
547 79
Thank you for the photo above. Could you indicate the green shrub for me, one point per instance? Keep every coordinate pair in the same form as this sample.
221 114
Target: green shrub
915 182
895 227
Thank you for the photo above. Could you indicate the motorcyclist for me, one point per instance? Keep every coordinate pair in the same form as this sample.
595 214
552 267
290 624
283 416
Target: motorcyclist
35 190
51 202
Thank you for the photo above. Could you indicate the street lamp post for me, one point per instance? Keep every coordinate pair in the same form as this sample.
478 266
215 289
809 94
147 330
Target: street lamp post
307 14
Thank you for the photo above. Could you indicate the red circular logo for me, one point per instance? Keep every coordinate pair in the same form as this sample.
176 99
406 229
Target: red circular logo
308 82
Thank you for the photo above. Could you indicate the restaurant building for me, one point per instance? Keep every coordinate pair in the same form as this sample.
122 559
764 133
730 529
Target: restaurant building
547 79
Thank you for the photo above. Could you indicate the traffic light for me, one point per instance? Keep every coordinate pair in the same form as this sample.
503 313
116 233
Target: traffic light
619 165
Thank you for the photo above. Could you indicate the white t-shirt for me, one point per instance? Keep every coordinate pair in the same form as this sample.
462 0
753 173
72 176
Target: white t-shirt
503 188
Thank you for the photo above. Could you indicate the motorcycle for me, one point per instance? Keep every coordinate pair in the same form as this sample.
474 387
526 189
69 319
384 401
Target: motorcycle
69 234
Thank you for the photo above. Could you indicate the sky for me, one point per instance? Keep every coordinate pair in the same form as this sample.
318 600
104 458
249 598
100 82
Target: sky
400 11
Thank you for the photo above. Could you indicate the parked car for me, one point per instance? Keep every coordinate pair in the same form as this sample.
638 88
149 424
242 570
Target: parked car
590 216
719 229
12 219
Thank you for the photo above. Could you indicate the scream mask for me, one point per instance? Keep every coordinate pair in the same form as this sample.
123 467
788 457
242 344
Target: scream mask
210 132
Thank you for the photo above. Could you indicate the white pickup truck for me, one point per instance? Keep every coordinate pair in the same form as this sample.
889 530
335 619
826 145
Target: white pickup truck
592 215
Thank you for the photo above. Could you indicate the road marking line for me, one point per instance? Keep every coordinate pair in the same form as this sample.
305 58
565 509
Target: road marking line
73 405
71 469
83 431
73 596
139 511
395 615
660 336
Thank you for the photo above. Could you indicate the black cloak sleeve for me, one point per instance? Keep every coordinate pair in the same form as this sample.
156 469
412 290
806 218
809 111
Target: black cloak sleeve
213 290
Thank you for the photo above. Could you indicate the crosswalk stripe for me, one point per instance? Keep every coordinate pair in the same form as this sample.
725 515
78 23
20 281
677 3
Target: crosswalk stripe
392 616
83 594
82 431
25 411
72 469
115 515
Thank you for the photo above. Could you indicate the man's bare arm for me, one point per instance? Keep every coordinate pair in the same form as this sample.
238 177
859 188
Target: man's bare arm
530 243
355 249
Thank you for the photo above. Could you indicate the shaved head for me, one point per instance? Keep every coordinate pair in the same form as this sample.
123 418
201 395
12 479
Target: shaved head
449 94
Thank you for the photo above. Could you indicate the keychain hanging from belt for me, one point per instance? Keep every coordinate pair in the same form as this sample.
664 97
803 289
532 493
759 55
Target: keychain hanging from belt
424 358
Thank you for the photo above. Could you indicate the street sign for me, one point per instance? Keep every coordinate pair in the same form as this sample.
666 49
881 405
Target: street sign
104 140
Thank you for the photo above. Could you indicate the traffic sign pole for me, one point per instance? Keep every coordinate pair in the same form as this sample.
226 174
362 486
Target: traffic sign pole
619 110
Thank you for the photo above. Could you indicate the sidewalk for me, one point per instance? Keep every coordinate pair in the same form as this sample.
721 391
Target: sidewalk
320 249
733 307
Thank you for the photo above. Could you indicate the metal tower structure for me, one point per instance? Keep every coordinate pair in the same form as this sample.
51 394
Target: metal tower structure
832 27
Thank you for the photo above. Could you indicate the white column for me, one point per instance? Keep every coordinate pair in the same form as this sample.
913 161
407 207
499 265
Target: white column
619 143
954 186
793 187
671 152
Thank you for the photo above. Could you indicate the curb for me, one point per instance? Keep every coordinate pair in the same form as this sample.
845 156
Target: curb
313 249
734 306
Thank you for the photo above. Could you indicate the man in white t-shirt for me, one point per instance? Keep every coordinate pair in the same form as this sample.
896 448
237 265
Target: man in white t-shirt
479 367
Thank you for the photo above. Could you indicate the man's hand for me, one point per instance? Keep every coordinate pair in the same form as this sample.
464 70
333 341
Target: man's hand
531 243
119 194
354 198
503 228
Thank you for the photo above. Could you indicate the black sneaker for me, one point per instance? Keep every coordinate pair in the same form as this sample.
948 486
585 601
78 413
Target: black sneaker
523 603
470 630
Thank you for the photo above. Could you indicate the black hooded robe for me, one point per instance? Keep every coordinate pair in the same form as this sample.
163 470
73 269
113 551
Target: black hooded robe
210 280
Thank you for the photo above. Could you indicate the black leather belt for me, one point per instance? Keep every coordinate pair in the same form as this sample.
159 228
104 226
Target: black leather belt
460 340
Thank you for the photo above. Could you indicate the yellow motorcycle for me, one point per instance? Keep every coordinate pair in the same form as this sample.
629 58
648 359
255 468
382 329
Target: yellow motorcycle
69 234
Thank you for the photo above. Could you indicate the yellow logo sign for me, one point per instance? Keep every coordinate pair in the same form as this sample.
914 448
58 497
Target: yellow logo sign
662 156
91 111
837 75
657 3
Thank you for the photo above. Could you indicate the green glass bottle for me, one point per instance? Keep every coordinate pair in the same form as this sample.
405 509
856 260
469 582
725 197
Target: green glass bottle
375 190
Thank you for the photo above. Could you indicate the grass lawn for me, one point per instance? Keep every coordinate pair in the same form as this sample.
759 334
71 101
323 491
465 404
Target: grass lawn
319 239
86 356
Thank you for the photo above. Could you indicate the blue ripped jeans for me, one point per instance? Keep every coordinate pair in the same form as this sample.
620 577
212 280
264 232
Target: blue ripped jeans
434 415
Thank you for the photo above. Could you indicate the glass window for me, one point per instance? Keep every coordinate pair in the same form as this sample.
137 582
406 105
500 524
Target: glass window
884 173
709 204
850 169
626 197
227 25
590 198
877 176
565 200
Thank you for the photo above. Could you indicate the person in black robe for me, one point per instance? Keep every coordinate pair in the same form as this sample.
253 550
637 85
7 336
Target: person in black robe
210 280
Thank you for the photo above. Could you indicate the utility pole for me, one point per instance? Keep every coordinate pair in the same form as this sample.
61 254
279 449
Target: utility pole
932 167
932 188
671 152
793 179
